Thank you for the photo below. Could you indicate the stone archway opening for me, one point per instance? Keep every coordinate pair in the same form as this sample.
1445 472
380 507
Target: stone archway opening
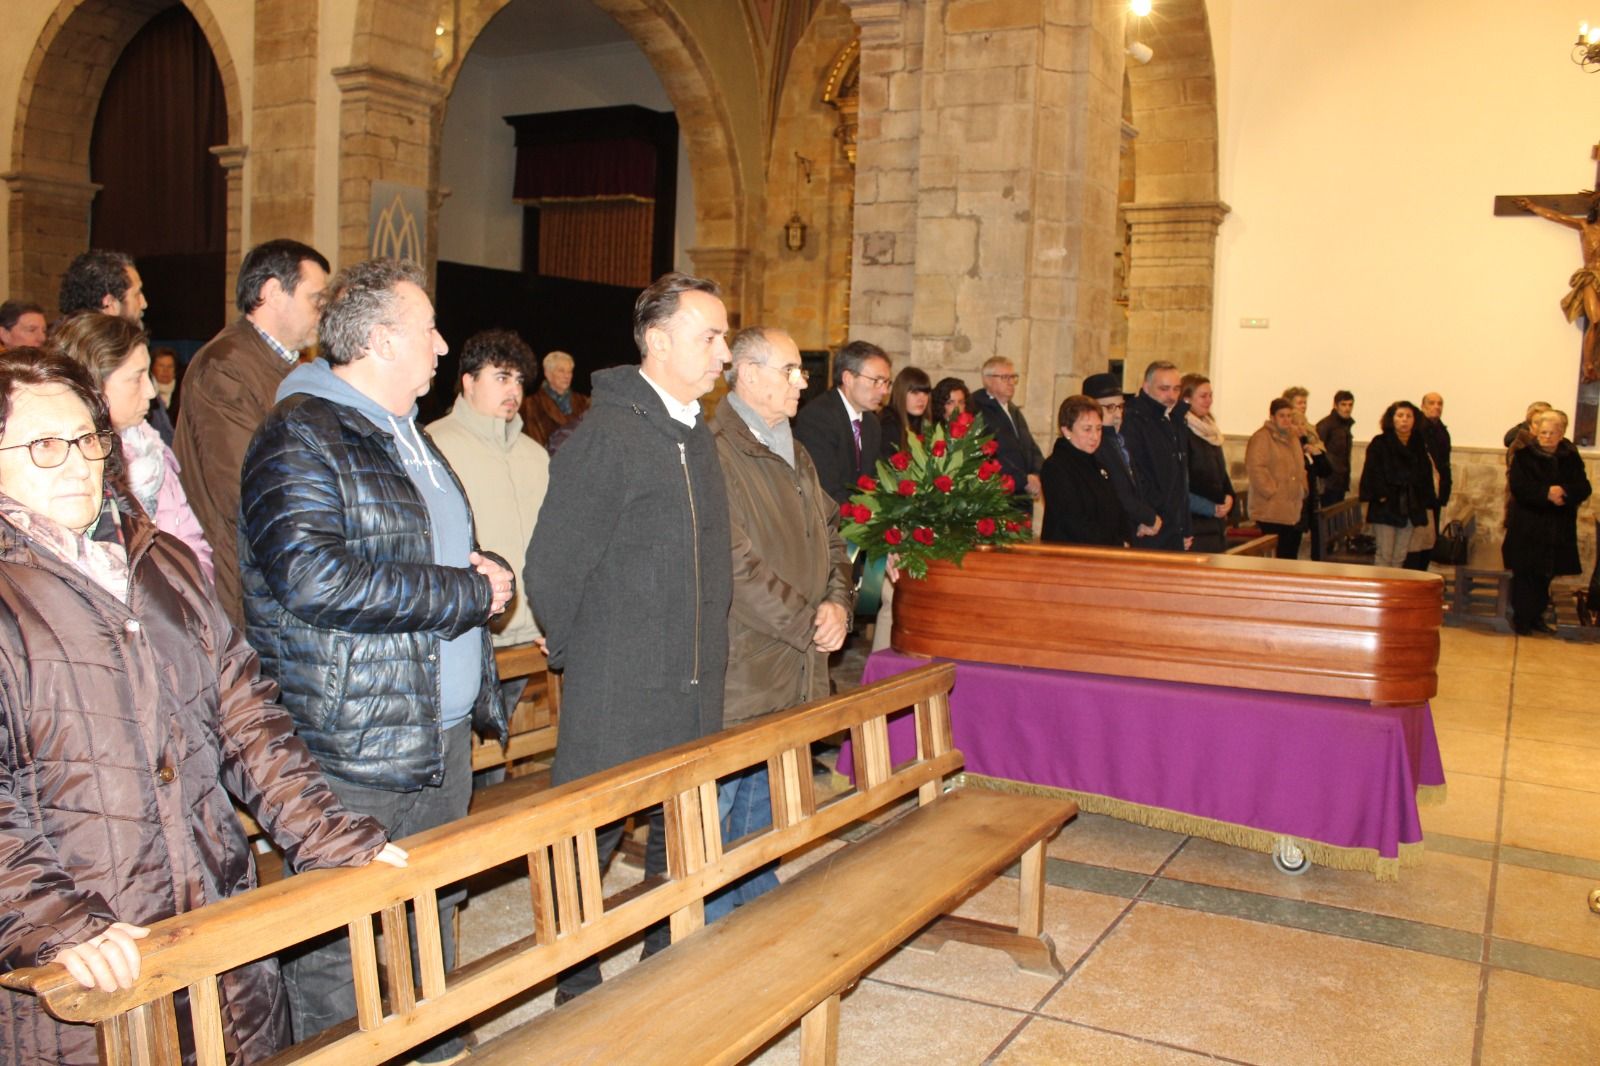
48 180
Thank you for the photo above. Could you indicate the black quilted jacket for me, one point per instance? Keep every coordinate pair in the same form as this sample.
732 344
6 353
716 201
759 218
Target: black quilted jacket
343 600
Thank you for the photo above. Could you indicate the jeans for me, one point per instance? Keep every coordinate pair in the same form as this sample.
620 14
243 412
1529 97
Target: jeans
744 805
1393 542
317 976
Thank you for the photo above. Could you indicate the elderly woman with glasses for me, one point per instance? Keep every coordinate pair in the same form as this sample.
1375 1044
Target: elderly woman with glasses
130 712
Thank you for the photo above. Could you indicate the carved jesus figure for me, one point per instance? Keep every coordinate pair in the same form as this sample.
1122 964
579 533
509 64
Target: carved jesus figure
1584 297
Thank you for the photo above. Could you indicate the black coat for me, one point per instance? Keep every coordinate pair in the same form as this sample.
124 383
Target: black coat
630 573
1019 453
1436 435
1080 504
1542 537
343 599
1134 510
1397 481
1208 479
823 426
1158 444
1334 429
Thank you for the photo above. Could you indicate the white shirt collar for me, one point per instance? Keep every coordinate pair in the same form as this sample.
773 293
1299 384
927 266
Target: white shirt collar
849 408
685 413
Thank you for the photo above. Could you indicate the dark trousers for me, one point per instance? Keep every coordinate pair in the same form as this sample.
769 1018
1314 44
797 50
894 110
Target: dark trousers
1288 539
586 975
318 979
1530 595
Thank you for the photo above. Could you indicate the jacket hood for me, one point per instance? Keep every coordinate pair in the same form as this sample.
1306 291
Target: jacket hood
625 388
318 379
1142 401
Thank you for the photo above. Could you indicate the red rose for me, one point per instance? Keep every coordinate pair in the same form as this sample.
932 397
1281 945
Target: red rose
1011 527
922 535
1008 483
867 484
1027 523
958 428
893 536
963 419
943 484
907 488
986 527
939 448
861 513
899 460
847 510
988 469
990 447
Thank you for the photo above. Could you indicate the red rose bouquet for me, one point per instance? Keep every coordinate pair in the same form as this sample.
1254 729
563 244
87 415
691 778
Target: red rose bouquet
937 499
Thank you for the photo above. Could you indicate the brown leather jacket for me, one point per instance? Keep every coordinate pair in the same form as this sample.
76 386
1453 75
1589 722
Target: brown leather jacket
541 417
123 731
788 559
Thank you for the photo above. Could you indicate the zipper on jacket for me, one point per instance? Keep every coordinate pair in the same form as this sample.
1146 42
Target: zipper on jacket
694 535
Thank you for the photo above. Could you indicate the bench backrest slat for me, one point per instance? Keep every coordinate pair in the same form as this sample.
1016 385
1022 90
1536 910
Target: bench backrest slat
554 835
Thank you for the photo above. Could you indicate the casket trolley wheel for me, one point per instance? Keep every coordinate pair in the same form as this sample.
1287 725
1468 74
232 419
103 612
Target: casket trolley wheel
1289 857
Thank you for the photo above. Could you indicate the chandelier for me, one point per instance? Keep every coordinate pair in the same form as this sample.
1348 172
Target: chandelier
1586 49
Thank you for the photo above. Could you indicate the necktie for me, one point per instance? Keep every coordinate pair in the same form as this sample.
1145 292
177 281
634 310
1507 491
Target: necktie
855 432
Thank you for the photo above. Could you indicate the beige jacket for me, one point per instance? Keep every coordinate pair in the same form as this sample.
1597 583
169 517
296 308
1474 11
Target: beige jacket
1277 470
505 474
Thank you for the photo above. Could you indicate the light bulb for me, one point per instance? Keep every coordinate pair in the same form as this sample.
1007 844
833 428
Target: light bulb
1141 8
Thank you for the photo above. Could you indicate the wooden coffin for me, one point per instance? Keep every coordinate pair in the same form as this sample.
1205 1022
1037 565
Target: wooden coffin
1324 629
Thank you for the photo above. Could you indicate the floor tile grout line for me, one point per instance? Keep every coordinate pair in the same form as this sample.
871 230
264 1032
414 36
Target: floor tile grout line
1486 952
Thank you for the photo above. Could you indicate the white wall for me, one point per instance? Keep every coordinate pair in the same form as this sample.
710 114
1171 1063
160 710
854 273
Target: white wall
1362 145
479 224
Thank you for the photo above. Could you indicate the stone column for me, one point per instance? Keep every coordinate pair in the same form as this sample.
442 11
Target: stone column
729 268
49 226
231 158
388 125
990 130
1170 280
283 179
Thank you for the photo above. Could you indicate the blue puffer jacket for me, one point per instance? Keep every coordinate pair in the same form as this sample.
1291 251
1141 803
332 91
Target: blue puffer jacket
344 601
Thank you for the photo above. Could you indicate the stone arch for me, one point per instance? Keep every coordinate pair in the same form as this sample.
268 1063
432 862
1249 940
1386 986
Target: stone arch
393 108
1175 213
61 86
809 290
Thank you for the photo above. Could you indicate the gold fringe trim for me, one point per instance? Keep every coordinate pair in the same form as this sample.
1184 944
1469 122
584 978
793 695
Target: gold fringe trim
1432 795
1240 836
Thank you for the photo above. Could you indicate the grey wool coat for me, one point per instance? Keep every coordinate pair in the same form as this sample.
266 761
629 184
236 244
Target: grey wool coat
630 574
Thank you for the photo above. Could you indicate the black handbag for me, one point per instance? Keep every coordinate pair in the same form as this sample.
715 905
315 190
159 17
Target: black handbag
1453 545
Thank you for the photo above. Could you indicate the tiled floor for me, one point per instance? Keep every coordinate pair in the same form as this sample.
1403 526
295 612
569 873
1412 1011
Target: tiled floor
1180 950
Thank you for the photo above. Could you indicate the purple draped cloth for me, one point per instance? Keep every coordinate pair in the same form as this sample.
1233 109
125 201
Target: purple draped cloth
1340 772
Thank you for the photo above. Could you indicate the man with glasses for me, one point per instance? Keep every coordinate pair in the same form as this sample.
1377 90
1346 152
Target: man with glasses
1019 455
1143 521
836 428
791 578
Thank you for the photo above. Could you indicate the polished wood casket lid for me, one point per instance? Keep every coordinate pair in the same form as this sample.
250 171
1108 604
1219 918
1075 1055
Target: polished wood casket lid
1277 625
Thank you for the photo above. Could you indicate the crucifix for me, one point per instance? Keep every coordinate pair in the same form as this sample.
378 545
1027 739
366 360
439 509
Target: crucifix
1579 211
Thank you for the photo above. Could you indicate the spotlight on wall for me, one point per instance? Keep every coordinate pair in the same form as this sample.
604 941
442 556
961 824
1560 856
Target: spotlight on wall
1140 53
1586 50
1140 8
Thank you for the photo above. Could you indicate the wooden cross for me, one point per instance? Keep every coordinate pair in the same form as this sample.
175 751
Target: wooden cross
1571 203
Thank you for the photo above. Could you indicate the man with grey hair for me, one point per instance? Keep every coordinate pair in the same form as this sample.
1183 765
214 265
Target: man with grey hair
364 592
629 569
555 404
840 428
1019 456
791 577
1158 450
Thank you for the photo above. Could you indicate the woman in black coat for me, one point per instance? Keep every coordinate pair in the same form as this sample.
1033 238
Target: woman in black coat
1210 488
1546 484
1397 482
1080 506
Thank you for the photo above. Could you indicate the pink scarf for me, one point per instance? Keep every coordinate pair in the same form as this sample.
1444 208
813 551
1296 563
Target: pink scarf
105 562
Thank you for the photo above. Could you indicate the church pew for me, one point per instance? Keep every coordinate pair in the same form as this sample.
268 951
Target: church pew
1321 629
716 995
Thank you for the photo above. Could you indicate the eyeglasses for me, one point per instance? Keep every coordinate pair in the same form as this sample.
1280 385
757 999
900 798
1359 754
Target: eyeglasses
48 453
875 382
1112 406
1012 378
794 373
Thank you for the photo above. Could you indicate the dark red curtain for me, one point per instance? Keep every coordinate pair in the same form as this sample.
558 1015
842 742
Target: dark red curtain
588 170
164 197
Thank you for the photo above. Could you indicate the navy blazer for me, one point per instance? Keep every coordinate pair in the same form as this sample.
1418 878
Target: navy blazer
823 426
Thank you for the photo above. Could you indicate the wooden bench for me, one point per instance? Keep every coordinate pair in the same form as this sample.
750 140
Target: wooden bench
1262 547
1337 526
716 995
